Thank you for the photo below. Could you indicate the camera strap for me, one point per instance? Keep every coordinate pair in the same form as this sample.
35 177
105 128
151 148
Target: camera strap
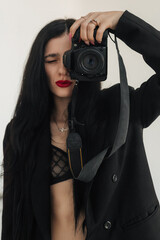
74 143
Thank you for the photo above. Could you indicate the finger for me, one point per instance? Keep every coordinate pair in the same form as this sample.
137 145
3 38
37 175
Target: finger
90 32
95 21
100 31
86 27
75 26
83 31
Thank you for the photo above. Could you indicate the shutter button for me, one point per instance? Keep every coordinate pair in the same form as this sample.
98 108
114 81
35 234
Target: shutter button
107 225
114 178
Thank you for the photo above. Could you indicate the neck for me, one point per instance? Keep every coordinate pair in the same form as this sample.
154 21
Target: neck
60 111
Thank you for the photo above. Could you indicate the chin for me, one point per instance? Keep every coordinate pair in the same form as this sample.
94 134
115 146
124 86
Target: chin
62 95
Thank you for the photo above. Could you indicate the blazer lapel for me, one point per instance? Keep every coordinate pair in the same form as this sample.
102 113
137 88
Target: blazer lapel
40 187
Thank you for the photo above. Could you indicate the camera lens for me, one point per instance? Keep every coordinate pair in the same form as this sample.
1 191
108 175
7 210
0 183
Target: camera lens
90 61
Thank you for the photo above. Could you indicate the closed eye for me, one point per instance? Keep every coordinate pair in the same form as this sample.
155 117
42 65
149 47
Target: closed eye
52 61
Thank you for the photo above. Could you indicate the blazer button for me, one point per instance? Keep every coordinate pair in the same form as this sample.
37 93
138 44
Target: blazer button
107 225
114 178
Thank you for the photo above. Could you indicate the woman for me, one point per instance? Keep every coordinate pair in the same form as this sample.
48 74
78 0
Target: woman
41 199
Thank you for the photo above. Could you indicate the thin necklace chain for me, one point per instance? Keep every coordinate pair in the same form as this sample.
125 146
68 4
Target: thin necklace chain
61 130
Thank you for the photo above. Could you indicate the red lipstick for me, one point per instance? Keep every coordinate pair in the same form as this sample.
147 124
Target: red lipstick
63 83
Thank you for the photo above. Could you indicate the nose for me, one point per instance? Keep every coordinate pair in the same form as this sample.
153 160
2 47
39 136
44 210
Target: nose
62 69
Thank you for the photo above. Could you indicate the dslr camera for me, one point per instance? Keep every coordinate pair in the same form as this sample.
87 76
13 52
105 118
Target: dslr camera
87 63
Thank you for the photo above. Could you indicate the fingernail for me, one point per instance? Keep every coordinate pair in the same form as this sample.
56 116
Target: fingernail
87 42
92 43
70 36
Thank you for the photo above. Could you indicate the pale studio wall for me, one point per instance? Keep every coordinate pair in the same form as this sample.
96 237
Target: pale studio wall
21 20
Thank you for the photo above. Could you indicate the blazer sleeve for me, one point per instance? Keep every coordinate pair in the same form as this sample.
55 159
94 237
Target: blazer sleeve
144 39
8 190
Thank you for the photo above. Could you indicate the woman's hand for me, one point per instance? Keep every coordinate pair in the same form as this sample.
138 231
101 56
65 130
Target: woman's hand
88 23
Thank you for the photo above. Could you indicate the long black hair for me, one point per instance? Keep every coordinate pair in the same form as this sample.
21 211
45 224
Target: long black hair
32 111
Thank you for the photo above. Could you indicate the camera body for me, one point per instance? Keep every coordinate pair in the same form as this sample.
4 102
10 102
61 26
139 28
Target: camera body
87 63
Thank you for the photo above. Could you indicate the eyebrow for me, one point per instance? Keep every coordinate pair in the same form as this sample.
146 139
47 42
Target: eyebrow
52 55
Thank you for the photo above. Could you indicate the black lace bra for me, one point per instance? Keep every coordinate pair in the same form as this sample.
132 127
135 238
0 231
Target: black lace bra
60 170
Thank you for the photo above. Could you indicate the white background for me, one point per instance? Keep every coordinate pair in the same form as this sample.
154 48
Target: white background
21 20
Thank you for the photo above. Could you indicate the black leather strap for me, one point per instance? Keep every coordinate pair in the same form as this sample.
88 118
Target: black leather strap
90 169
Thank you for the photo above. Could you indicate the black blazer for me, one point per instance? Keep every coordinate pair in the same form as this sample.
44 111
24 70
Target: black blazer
121 202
